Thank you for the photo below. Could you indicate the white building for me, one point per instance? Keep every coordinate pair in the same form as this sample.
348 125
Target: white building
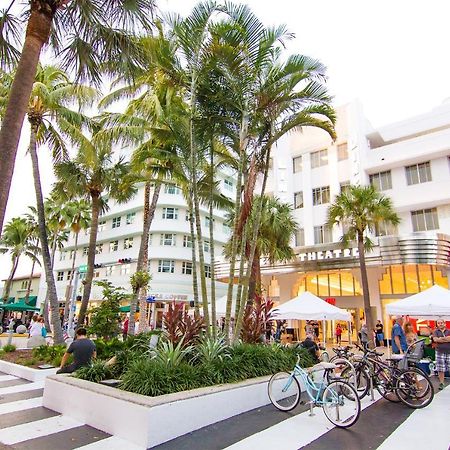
409 162
170 249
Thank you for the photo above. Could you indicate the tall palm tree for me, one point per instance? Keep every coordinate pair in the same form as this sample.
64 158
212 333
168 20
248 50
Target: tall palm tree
88 37
360 209
95 176
17 240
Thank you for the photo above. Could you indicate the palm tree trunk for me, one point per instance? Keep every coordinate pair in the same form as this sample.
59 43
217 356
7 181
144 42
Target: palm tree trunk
365 288
194 256
211 243
8 283
38 30
46 258
95 211
69 286
47 294
255 279
30 281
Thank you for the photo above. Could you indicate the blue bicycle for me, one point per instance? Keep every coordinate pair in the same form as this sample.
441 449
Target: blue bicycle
338 399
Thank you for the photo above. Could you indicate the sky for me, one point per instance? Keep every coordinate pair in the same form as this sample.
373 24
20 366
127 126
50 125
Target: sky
392 55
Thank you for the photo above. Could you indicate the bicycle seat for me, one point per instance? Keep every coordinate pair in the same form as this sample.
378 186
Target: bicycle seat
322 366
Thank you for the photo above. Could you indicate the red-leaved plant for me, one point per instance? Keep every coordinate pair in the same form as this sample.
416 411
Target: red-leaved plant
257 318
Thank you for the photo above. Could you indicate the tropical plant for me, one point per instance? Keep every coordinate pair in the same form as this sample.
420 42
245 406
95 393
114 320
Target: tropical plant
89 38
211 348
170 355
360 210
139 282
96 372
256 319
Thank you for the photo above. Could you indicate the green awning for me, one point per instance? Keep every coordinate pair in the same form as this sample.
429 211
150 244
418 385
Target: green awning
19 306
126 309
32 299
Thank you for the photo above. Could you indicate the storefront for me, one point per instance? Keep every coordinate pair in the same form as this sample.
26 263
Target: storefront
397 267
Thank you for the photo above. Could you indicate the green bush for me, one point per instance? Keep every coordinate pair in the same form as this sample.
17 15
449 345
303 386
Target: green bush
51 354
96 372
8 348
107 349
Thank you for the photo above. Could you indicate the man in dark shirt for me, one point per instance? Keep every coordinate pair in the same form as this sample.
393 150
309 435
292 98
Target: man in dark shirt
83 350
311 346
441 337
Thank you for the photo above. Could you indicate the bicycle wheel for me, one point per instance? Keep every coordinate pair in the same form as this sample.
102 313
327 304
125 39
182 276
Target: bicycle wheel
341 404
385 386
414 388
284 391
362 382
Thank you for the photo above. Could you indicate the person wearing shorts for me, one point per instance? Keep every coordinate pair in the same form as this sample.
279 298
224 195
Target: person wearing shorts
441 338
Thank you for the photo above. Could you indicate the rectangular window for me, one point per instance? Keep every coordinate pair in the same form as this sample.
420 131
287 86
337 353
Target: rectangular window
384 229
342 151
110 270
298 200
60 276
102 225
125 269
98 249
62 256
297 164
187 241
228 185
300 237
167 239
127 243
226 228
319 158
321 195
150 239
85 251
170 213
171 189
206 246
207 271
425 219
418 173
322 234
113 246
186 268
208 222
345 186
116 222
166 266
130 218
72 254
381 181
24 284
69 275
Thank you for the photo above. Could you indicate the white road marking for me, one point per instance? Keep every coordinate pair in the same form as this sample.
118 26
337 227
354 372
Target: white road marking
293 433
39 428
20 405
22 388
111 443
8 378
429 424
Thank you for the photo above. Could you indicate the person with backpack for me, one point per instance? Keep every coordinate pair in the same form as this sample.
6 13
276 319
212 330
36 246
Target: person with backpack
441 339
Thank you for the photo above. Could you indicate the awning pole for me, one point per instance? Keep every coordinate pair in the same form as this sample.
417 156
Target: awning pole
349 333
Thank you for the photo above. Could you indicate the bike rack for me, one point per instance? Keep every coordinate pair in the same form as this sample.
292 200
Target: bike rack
352 368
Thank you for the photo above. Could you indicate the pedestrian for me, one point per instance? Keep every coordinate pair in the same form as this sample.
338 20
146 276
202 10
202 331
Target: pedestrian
379 333
83 350
441 339
36 327
316 328
125 329
310 345
364 336
410 334
338 334
399 344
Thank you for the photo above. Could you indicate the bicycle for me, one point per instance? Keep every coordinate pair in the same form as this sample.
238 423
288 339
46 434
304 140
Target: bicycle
338 399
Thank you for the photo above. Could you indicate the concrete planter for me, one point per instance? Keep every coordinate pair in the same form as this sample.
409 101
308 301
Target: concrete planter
149 421
25 372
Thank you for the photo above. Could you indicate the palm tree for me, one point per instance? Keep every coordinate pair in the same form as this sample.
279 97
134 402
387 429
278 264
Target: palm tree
359 210
18 241
89 38
96 177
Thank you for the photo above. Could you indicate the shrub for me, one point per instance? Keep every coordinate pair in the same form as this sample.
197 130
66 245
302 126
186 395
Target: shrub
8 348
107 349
169 355
51 354
96 372
210 349
256 319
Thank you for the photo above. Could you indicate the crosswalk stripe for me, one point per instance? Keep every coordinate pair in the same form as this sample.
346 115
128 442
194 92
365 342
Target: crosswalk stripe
293 433
22 388
111 443
20 405
432 421
7 378
39 428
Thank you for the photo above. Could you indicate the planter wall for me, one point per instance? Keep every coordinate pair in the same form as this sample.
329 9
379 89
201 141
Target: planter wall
25 372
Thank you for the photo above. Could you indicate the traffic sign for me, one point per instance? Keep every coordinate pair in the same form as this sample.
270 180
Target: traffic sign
150 299
82 268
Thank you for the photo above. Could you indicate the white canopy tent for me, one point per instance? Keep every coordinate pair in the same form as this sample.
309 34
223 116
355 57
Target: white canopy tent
307 306
431 304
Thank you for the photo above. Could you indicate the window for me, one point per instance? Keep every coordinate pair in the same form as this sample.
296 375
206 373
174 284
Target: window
206 246
110 270
298 200
130 218
166 266
60 276
342 151
72 254
300 237
125 269
171 189
62 256
425 219
207 271
384 229
98 249
167 239
228 185
345 186
322 234
381 181
226 228
116 222
186 268
85 251
186 217
321 195
187 241
208 222
319 158
150 239
24 284
297 164
114 246
69 275
102 225
127 243
82 276
418 173
170 213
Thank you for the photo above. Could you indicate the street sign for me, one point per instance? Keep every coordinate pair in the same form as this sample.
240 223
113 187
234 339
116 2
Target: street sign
82 268
150 299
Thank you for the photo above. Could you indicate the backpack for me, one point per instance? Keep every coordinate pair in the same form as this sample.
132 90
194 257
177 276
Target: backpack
43 332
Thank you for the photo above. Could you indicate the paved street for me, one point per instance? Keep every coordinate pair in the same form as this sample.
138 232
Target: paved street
26 425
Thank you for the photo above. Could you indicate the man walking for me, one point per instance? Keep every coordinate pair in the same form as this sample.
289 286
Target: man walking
364 336
441 337
399 344
83 350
